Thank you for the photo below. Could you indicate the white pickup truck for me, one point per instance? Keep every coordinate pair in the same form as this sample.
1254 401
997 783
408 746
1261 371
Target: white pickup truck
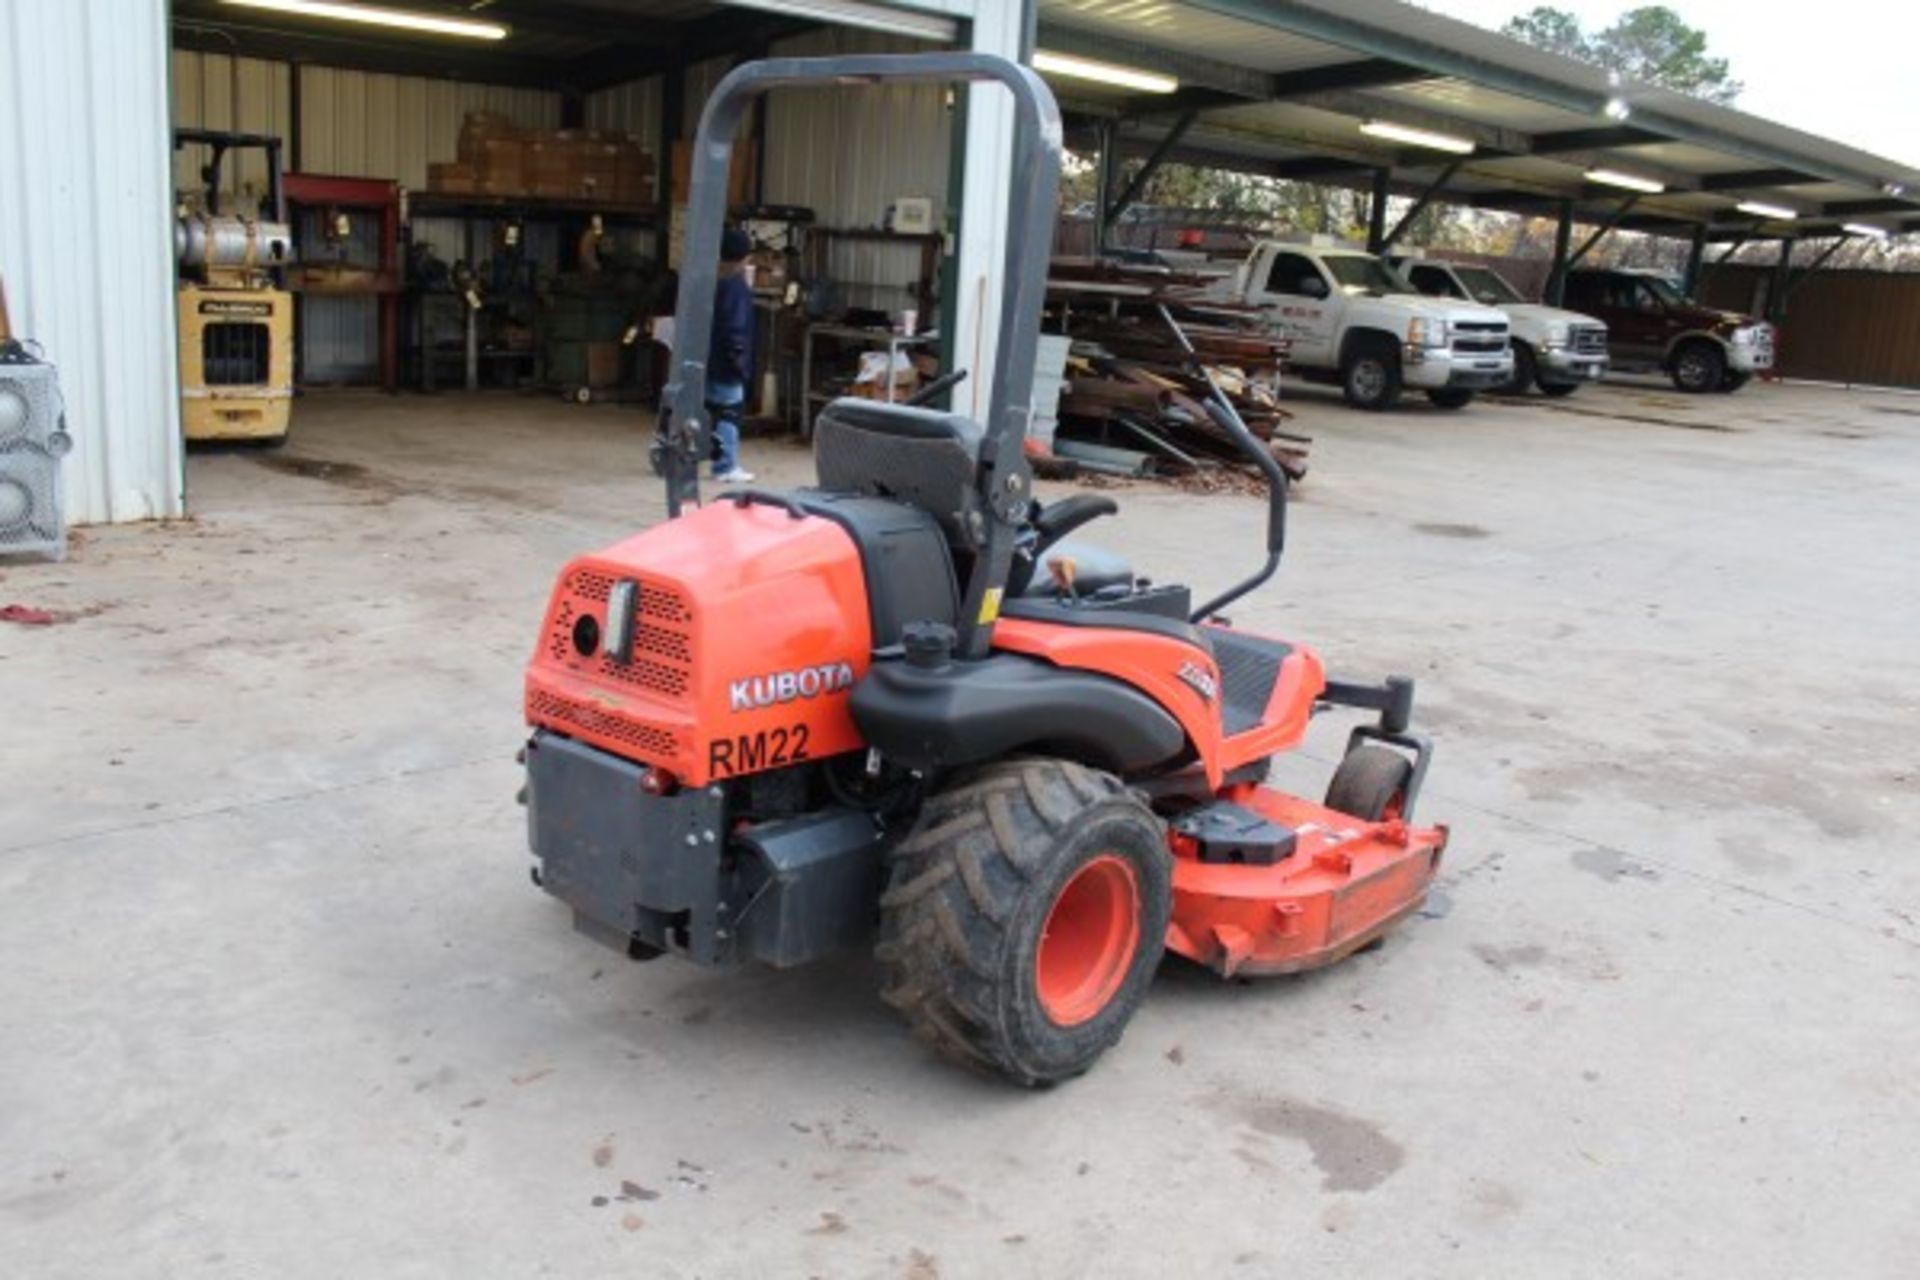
1353 320
1553 349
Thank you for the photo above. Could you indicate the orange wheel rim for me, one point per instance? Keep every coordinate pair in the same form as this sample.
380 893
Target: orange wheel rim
1089 940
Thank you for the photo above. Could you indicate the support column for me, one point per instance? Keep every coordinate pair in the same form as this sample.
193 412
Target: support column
984 202
1782 282
1106 177
673 112
1377 212
1691 284
1562 245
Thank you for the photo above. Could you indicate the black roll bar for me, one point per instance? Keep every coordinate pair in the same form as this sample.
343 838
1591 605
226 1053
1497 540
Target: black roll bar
1004 479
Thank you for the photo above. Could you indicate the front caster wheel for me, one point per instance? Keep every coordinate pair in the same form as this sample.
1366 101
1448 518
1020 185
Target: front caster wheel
1371 784
1024 917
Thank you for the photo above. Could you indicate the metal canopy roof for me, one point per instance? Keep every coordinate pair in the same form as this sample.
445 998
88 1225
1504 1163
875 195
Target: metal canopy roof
1280 88
574 46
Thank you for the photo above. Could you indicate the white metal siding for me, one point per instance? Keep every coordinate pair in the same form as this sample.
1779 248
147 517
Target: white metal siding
86 241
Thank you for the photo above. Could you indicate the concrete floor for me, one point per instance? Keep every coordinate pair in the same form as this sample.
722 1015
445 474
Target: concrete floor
277 998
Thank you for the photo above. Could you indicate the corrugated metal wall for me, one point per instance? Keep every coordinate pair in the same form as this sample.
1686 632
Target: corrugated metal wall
366 125
355 123
850 153
246 95
628 108
86 241
1841 326
845 153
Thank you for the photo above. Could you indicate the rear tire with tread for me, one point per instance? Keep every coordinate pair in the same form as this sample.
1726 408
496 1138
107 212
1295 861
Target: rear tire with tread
971 893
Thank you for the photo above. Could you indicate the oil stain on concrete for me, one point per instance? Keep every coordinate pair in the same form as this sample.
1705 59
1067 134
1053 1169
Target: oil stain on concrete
1352 1154
1611 864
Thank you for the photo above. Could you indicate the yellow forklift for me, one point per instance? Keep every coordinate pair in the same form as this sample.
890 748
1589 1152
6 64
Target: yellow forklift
236 315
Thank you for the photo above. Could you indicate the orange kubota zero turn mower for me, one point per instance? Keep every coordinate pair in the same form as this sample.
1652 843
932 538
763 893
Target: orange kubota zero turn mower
896 709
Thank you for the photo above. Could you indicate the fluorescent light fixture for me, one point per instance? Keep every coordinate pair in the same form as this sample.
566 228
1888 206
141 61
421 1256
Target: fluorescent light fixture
1628 181
373 15
859 13
1865 229
1417 137
1063 64
1761 210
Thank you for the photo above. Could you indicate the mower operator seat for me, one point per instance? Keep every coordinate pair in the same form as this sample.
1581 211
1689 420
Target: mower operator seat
923 457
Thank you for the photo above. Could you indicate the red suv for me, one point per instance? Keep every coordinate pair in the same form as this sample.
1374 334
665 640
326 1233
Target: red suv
1652 325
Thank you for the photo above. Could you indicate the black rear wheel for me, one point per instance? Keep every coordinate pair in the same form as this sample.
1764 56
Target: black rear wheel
1526 371
1371 784
1698 367
1559 390
1451 398
1024 918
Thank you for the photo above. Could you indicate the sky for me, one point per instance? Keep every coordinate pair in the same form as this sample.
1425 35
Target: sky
1850 79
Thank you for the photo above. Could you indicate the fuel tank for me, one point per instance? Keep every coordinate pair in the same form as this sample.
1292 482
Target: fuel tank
719 644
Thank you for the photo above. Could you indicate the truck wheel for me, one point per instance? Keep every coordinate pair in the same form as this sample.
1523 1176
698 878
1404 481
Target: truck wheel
1732 380
1450 398
1371 375
1526 371
1559 390
1698 367
1370 784
1024 917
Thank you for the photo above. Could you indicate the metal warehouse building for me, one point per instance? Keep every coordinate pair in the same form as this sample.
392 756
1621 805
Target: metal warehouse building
1351 93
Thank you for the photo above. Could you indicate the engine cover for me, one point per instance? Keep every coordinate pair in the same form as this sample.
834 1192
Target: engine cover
719 644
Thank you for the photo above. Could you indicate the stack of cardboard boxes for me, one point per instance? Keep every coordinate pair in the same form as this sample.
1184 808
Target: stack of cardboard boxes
497 158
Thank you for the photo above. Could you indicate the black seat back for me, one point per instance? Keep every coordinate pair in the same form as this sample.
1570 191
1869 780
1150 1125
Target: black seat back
922 457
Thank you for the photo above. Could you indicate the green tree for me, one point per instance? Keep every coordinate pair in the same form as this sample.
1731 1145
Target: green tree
1554 30
1651 44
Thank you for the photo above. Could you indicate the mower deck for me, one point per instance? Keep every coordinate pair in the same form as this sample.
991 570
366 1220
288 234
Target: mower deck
1345 883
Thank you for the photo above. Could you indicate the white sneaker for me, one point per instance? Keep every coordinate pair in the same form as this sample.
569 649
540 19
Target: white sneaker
739 475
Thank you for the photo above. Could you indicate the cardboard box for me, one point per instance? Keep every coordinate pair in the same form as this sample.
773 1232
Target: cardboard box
502 162
478 128
455 178
630 187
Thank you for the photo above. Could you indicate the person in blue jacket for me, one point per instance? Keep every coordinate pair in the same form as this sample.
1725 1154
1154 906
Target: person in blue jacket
730 360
